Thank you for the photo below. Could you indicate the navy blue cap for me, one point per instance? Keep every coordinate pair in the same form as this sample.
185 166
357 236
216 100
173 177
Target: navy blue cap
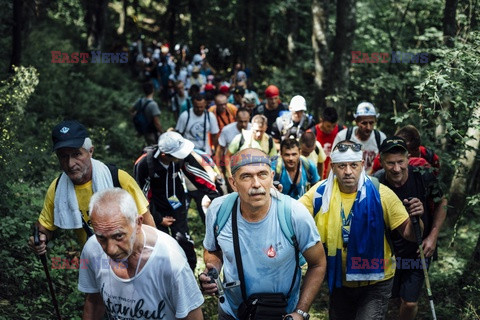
69 134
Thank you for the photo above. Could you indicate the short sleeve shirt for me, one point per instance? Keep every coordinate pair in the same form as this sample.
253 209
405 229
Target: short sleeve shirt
165 288
267 255
84 192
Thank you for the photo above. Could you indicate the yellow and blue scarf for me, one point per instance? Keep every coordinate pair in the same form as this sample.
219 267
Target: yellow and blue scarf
366 239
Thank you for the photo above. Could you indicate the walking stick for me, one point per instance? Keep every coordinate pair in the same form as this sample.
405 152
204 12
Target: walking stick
43 258
418 236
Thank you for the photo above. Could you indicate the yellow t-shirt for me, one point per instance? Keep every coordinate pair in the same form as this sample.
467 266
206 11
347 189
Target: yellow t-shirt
250 142
84 192
394 214
319 157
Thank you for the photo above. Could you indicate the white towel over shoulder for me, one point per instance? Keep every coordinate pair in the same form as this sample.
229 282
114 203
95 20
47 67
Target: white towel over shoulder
67 215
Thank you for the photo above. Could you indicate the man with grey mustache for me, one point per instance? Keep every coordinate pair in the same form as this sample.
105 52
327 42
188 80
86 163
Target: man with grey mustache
268 258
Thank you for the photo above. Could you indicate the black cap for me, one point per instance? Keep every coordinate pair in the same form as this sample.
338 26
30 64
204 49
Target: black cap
393 142
239 90
68 134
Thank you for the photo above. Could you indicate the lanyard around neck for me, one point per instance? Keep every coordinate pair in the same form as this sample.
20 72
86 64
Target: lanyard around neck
346 223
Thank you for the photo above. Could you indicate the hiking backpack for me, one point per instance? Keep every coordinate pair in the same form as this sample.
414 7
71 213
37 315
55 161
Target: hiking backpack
284 214
140 120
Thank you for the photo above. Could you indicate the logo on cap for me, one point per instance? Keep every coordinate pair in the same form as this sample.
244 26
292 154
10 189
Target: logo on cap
64 130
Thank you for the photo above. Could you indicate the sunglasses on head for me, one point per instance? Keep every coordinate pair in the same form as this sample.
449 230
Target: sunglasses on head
342 147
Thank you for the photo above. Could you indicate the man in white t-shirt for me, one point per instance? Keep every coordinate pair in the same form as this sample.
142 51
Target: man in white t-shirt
195 124
230 131
364 134
132 271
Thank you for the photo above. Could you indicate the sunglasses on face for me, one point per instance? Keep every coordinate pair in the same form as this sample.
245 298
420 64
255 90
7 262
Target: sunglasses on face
344 147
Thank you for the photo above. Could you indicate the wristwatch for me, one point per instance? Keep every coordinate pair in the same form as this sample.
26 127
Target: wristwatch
304 314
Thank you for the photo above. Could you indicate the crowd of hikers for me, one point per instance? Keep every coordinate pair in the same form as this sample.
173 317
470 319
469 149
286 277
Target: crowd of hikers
277 191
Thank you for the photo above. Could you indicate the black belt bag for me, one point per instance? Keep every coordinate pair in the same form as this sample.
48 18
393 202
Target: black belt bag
263 306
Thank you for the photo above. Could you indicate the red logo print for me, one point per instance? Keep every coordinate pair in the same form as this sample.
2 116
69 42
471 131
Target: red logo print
271 252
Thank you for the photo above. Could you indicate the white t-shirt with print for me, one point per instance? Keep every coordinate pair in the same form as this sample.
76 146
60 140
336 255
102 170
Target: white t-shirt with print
370 149
195 128
165 288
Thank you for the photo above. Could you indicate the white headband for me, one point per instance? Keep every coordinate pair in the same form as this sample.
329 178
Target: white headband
347 156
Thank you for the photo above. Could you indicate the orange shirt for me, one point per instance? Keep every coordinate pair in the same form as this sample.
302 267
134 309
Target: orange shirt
227 117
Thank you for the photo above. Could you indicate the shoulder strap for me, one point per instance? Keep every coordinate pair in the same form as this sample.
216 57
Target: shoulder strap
114 172
284 212
278 168
306 165
377 138
314 130
224 213
349 133
270 144
150 164
186 123
242 141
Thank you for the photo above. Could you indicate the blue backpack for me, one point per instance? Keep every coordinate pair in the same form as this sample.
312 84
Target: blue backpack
284 213
140 120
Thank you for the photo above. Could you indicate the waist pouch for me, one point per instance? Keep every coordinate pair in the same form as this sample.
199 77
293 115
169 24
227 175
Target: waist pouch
263 306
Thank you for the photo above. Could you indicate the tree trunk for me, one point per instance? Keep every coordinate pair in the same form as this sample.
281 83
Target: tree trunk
320 51
292 34
172 21
16 34
450 22
196 24
122 17
250 35
342 46
95 19
458 188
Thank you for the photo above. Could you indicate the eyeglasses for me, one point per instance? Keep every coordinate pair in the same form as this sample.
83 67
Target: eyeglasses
344 147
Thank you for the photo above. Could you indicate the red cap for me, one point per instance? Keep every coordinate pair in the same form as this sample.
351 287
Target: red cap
271 91
209 87
224 89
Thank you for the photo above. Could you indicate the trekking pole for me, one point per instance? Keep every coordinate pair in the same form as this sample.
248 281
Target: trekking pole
43 258
418 236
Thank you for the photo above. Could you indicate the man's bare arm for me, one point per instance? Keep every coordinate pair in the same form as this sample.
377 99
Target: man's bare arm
94 307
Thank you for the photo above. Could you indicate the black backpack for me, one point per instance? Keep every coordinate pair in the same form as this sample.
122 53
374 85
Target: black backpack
140 120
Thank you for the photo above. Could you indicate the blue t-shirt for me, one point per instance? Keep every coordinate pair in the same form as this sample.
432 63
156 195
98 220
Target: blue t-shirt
268 257
306 179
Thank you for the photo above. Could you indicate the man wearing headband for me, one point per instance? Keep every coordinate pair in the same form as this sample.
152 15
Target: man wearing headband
269 263
354 215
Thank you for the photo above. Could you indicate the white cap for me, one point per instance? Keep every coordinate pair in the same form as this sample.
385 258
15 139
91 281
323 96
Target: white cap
365 109
298 103
172 143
